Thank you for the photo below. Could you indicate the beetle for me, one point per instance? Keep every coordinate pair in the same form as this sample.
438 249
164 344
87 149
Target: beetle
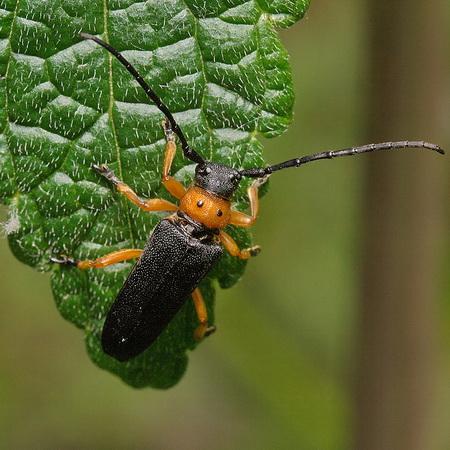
184 246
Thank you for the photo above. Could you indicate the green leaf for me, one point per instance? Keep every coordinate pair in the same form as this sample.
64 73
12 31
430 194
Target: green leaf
65 103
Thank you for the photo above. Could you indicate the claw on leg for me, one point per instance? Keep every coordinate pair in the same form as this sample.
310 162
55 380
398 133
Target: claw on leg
64 259
106 172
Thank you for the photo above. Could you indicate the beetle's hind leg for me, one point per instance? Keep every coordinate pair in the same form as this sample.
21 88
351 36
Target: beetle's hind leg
100 263
202 330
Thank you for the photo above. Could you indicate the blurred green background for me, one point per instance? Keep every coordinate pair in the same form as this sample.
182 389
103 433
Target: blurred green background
281 371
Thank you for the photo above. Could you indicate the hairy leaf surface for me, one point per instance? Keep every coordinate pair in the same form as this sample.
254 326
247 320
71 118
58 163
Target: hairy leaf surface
65 104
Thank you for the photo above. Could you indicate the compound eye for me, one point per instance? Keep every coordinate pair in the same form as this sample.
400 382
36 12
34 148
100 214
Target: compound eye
219 213
204 170
200 203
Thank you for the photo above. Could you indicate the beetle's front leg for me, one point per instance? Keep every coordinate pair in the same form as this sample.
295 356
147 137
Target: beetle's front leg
172 185
156 204
243 220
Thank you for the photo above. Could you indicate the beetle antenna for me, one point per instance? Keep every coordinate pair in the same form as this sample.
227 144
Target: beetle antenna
188 151
258 172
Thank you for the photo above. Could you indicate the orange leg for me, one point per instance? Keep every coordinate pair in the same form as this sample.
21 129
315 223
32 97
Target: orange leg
104 261
172 185
202 330
229 243
243 220
156 204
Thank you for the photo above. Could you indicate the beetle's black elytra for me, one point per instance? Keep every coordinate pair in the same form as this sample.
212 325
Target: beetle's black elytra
147 302
184 246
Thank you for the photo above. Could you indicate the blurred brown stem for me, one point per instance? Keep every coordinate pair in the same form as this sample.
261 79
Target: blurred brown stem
404 227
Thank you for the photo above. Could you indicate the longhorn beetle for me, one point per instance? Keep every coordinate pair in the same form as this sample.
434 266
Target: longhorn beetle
184 246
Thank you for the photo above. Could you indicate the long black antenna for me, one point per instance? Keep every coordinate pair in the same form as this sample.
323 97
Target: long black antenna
258 172
188 151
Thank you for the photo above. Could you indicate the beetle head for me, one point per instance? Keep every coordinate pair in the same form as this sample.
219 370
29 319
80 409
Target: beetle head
217 178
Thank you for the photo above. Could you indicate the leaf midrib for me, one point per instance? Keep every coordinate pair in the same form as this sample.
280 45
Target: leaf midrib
126 204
